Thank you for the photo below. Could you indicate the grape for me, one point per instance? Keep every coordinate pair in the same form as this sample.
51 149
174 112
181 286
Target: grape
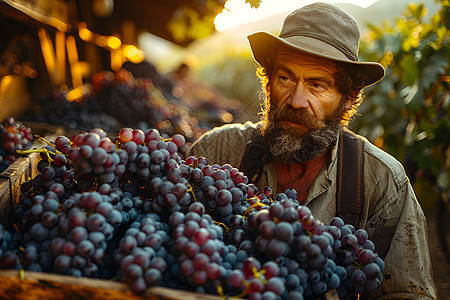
85 248
366 257
236 278
284 232
372 270
358 277
126 134
179 140
39 232
295 295
380 263
153 277
138 136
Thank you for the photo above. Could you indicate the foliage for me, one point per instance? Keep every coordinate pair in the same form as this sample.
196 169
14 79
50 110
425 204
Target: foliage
407 113
195 19
233 73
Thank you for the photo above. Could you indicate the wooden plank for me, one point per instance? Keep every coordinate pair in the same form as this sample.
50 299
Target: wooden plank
23 168
37 285
19 171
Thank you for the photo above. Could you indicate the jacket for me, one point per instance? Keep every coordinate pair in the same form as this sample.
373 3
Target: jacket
392 216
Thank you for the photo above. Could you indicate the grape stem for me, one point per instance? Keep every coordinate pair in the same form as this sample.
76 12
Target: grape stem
42 150
223 225
44 140
240 296
17 228
22 274
256 204
257 274
357 264
192 192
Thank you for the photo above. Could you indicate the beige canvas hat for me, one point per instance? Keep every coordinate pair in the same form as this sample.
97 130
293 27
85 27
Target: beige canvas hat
320 29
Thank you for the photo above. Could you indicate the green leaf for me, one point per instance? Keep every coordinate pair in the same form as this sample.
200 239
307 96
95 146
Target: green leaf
436 66
441 131
417 10
410 69
415 98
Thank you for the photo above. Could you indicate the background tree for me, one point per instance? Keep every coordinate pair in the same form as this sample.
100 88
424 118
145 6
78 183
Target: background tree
407 113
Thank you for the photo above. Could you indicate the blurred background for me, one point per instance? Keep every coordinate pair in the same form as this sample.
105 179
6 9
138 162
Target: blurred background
186 67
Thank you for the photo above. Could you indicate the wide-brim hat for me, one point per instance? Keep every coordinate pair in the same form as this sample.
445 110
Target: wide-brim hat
319 29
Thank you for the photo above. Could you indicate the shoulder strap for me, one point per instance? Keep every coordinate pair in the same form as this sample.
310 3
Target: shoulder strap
350 178
256 153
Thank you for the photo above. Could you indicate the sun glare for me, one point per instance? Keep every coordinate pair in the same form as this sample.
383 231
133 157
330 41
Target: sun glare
237 12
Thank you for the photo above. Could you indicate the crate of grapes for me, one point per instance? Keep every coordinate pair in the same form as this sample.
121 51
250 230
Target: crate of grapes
130 218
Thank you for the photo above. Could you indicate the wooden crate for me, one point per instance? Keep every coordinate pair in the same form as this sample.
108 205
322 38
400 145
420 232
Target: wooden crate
37 285
24 168
19 171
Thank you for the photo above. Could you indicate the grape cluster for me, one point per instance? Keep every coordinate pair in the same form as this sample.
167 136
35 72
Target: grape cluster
259 281
130 208
8 247
197 244
222 189
95 160
149 155
287 234
5 240
67 235
142 254
13 136
355 252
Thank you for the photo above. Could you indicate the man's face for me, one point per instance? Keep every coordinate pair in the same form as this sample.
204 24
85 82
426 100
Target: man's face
305 107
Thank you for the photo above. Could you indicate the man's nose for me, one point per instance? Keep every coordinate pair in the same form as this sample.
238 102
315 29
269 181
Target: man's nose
299 97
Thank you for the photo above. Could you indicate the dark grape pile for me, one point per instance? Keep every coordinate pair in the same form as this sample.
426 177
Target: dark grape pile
116 100
13 136
128 207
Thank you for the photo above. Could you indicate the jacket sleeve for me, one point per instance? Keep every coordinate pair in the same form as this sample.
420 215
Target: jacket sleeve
408 271
225 144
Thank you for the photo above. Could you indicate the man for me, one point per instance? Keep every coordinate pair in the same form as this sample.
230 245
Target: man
314 82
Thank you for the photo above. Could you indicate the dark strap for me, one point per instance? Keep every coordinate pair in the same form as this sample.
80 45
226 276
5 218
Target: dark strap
256 153
350 183
350 178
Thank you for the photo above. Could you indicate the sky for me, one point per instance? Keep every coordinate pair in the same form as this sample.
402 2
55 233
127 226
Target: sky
238 12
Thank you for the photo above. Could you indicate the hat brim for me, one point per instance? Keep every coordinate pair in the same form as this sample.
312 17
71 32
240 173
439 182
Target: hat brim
264 48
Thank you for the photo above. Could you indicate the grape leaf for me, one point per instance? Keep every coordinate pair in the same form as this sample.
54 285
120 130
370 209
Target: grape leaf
436 66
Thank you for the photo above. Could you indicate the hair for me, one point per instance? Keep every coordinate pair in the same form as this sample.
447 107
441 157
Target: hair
349 81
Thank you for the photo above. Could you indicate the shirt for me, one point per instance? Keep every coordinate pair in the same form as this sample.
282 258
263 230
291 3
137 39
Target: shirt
392 216
299 176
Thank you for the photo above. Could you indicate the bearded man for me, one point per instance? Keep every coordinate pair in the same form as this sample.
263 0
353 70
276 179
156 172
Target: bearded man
314 81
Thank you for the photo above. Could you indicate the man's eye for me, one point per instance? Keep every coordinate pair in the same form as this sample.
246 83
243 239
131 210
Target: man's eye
317 85
284 78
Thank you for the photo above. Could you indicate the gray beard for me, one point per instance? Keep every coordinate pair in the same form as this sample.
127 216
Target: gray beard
290 147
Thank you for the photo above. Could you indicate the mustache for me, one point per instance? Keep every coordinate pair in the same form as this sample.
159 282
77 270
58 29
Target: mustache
297 116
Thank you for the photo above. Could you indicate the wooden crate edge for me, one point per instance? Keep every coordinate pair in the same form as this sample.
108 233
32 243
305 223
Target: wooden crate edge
55 286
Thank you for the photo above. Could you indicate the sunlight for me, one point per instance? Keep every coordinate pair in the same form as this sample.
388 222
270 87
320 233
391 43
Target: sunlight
238 12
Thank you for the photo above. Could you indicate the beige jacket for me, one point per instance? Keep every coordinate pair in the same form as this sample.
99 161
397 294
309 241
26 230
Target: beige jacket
392 215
